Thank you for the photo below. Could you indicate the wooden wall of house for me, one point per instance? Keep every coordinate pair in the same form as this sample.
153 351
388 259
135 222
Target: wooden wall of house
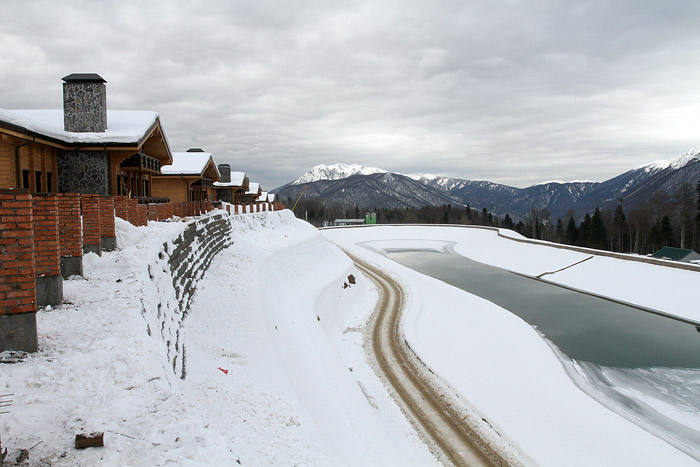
115 159
38 159
175 188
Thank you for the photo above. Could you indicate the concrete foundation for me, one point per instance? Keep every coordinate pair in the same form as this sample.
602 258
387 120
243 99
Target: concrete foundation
108 243
97 249
18 332
49 290
71 266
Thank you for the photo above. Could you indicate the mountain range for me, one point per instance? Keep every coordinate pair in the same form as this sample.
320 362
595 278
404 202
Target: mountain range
371 187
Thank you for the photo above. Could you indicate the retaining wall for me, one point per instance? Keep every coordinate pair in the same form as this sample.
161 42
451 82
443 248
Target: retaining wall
181 263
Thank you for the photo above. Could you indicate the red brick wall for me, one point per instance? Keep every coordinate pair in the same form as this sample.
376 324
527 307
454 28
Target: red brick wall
69 230
47 249
90 209
107 227
17 286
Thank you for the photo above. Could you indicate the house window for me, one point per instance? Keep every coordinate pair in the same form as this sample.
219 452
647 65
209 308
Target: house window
37 180
49 182
25 178
146 190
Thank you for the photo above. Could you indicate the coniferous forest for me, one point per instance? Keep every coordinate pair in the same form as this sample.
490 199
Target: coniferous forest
663 221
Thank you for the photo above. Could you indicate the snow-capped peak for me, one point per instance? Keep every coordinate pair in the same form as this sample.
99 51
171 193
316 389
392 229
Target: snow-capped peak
335 172
673 163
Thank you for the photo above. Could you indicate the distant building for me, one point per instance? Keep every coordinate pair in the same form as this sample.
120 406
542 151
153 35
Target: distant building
677 254
190 177
349 222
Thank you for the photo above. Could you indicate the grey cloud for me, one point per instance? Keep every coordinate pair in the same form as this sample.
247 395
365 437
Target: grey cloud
513 92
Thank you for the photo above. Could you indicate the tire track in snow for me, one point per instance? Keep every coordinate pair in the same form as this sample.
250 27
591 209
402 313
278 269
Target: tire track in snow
458 443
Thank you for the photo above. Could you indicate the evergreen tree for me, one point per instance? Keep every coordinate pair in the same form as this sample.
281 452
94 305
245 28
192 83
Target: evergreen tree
559 231
508 222
620 226
584 231
571 232
598 237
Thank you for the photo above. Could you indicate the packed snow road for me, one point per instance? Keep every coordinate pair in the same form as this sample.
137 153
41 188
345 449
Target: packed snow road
449 433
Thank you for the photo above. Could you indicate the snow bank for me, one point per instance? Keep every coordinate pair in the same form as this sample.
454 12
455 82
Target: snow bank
497 364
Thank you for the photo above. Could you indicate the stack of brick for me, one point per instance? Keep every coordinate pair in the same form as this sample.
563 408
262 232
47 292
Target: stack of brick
70 234
108 231
17 285
47 250
90 209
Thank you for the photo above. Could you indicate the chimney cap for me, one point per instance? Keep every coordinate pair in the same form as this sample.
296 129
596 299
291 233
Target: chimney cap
195 150
83 78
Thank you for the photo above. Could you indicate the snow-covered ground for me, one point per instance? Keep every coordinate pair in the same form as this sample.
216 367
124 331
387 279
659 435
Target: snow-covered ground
502 367
276 372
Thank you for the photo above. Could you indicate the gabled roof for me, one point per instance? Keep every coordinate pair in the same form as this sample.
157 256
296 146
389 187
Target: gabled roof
263 197
253 189
677 254
123 126
237 179
198 164
271 197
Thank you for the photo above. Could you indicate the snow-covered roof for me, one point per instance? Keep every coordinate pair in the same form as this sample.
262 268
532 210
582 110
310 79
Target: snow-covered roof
123 126
253 188
263 197
271 197
189 163
237 179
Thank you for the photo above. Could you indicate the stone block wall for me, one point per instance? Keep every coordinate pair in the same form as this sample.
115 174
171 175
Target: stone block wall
180 265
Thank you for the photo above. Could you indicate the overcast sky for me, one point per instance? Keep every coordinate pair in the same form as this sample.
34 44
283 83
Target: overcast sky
515 92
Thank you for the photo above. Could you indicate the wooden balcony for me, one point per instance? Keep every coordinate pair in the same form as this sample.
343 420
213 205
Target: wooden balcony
142 163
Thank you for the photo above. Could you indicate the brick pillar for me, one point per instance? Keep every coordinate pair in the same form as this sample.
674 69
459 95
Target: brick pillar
70 234
152 211
108 231
132 210
264 207
17 285
47 250
141 215
209 206
235 209
90 209
228 209
121 207
197 208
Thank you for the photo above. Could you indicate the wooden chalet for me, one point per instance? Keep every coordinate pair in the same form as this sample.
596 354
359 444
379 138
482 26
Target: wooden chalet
190 177
82 148
231 186
251 196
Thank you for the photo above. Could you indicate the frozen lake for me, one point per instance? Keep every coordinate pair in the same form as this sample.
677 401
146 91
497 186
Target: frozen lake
643 365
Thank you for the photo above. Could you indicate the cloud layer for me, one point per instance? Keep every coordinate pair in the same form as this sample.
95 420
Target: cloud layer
510 91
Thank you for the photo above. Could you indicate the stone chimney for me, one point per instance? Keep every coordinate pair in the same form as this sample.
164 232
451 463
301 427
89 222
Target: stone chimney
225 171
84 103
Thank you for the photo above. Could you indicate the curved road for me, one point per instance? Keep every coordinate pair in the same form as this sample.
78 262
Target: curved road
456 440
